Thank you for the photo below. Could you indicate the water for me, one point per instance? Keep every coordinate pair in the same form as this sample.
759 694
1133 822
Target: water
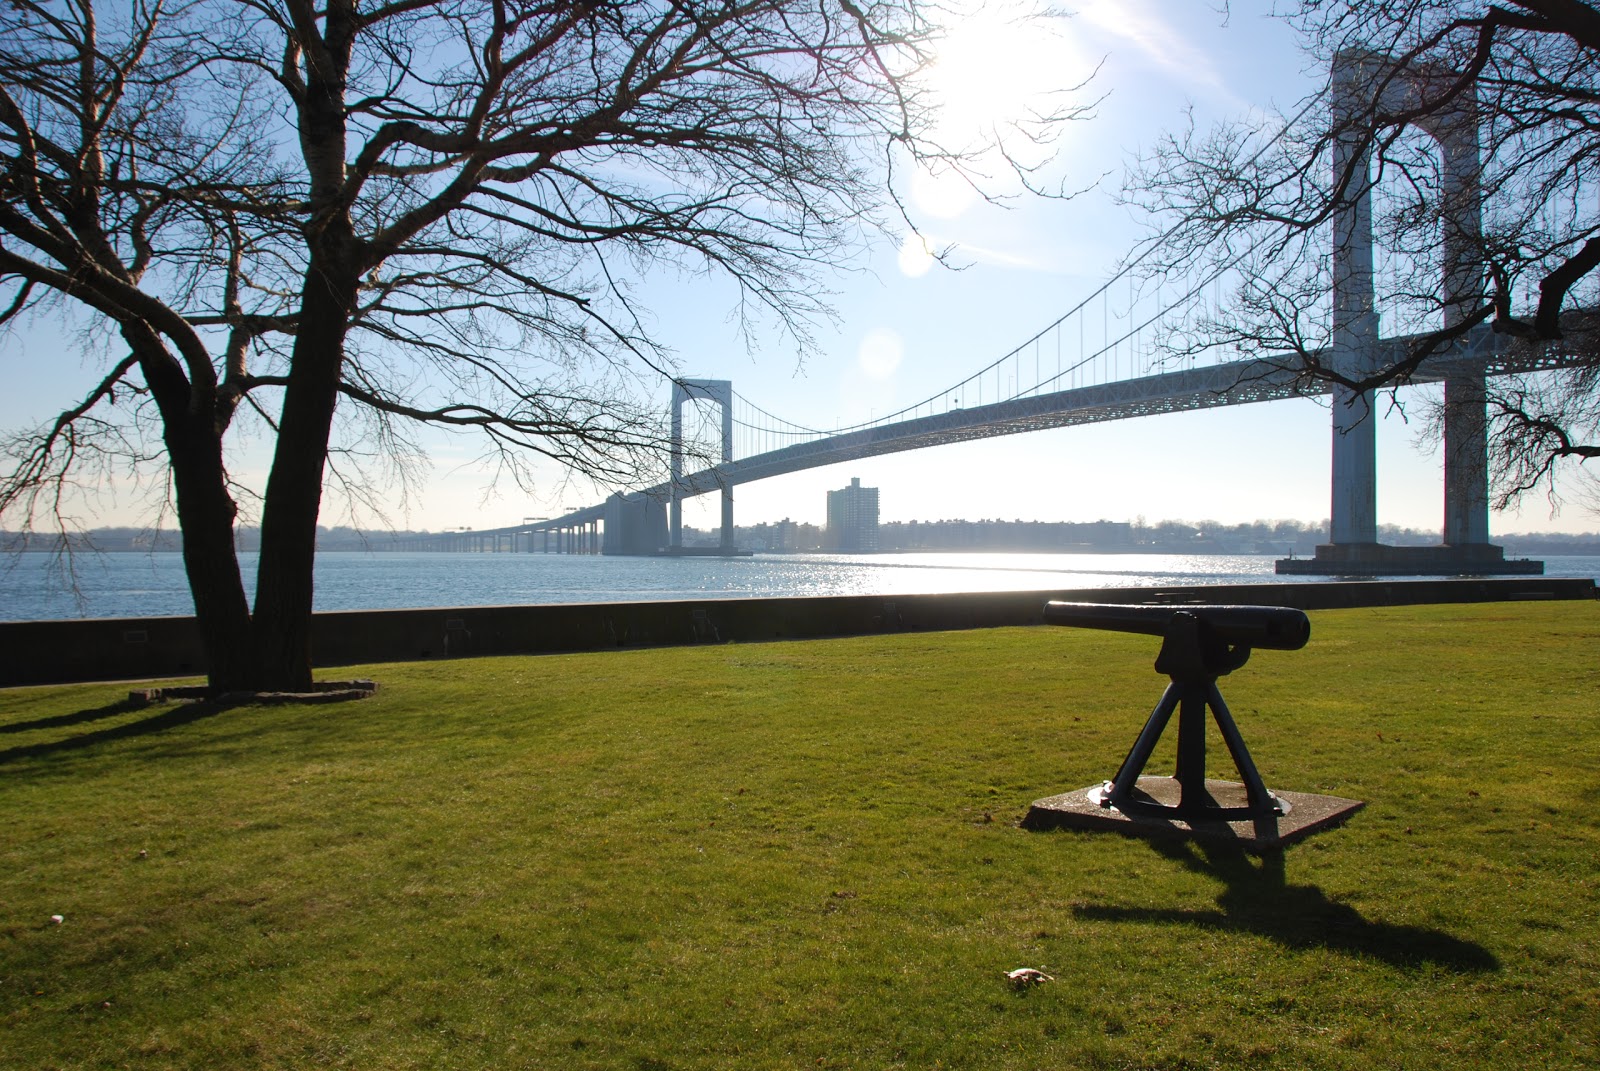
138 584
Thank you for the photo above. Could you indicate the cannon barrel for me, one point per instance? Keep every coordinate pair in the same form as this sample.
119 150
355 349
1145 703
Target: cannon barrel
1277 628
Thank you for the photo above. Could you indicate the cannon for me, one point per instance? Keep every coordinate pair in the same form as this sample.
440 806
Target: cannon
1277 628
1199 643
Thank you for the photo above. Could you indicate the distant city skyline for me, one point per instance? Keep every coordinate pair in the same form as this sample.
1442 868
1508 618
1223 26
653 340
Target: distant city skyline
139 537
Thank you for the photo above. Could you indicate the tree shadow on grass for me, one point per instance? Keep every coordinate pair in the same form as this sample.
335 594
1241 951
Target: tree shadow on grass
169 718
1258 899
77 717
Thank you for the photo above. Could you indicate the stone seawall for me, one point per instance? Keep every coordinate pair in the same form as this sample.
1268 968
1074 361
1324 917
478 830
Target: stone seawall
100 649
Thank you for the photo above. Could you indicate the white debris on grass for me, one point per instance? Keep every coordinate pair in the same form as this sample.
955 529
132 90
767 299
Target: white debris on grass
1023 977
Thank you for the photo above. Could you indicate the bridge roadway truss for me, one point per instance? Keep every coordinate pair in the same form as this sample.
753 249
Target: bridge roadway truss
1233 383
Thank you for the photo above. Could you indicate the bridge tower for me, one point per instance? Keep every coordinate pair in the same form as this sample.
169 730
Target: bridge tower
719 391
1354 352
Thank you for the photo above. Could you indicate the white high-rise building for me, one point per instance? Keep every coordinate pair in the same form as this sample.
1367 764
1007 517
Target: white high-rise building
852 519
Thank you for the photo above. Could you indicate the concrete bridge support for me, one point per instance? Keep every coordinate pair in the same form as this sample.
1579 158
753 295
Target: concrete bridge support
635 524
719 391
580 538
1466 445
1354 509
1466 462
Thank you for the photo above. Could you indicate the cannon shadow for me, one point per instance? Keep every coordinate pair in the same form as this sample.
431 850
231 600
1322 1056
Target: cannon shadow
1257 898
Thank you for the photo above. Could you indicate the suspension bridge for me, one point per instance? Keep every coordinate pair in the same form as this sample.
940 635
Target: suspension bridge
649 521
1105 359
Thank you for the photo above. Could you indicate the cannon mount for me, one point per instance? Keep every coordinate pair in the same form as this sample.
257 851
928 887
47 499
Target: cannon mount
1199 643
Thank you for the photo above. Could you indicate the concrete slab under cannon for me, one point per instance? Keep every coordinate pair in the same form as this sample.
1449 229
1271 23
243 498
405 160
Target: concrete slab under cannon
1306 814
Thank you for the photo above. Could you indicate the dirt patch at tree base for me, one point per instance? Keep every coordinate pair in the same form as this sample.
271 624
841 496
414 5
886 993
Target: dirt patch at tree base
321 692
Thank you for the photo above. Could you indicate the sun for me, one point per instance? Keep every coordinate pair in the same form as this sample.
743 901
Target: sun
998 67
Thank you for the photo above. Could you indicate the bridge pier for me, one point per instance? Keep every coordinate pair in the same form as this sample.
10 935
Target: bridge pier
1466 421
1466 462
1353 518
635 524
1354 549
576 537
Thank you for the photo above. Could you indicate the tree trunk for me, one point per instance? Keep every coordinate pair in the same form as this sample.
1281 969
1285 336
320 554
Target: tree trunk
206 513
192 429
284 578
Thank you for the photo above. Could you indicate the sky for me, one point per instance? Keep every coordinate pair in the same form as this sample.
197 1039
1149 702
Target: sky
906 328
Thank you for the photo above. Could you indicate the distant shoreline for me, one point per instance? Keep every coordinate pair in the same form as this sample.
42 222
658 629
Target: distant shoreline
1514 547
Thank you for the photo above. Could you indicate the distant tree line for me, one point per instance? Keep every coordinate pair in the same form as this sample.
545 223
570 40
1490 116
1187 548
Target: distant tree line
1198 537
168 539
998 536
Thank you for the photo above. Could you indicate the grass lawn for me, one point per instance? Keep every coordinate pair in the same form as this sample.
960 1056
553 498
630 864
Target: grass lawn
805 855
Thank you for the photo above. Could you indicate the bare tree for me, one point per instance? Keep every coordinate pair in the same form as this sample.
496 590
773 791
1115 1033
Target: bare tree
1517 248
407 212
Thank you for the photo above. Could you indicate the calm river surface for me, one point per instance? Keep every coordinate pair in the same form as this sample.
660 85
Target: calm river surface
150 585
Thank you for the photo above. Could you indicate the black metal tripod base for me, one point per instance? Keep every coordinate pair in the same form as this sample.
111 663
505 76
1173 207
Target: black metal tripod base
1191 696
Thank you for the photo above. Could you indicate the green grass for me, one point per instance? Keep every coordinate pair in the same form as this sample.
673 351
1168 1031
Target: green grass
802 855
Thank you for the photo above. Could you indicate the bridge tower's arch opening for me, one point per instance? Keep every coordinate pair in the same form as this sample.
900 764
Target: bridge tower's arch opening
720 393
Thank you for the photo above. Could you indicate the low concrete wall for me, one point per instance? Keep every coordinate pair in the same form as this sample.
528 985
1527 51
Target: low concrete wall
52 652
